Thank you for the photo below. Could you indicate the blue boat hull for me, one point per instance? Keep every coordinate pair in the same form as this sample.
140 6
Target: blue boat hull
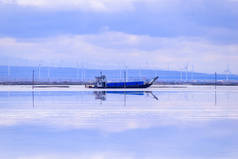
139 84
101 83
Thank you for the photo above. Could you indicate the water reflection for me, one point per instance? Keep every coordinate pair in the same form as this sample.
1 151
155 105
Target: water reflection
101 95
33 98
96 124
192 104
140 99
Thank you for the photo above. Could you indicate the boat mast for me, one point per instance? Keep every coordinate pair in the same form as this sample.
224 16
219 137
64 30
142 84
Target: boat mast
124 79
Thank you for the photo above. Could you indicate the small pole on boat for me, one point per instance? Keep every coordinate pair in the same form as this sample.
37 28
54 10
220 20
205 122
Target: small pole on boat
120 76
124 79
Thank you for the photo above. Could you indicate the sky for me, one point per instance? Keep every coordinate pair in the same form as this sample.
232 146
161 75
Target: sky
199 35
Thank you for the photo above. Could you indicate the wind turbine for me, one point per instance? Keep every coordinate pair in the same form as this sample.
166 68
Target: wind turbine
125 74
181 74
39 71
8 72
82 72
227 72
185 69
48 73
77 71
192 72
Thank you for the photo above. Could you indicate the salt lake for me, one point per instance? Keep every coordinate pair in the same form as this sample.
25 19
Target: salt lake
169 122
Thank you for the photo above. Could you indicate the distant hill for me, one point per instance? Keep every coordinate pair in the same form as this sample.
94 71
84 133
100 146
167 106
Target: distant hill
59 74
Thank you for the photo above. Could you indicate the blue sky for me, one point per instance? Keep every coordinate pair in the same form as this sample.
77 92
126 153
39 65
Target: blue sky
157 34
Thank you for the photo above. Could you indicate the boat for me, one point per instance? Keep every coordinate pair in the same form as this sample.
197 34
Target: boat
101 82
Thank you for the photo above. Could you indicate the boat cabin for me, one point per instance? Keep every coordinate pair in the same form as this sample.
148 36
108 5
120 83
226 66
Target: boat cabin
101 81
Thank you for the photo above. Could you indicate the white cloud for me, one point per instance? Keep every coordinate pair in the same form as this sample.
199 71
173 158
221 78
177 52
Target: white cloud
233 155
100 5
96 5
88 5
116 49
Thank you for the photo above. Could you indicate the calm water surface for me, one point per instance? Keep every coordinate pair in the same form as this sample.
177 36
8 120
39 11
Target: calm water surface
129 125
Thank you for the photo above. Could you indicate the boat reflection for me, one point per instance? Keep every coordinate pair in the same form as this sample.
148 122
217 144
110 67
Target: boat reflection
38 97
101 95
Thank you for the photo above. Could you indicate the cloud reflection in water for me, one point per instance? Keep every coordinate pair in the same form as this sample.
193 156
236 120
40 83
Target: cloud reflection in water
103 125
